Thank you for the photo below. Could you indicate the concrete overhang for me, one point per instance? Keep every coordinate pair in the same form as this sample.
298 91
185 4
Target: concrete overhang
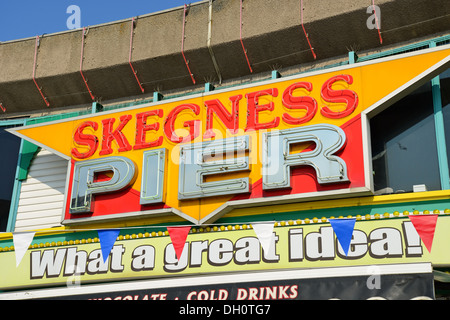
210 34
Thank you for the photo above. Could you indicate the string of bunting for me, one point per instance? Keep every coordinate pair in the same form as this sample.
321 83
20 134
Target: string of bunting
424 224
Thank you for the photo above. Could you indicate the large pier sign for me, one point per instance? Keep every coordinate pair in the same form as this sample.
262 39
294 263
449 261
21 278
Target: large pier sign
284 140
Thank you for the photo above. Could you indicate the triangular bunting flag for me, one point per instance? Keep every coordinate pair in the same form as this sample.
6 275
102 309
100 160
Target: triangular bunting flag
343 228
107 239
178 235
22 241
425 226
264 232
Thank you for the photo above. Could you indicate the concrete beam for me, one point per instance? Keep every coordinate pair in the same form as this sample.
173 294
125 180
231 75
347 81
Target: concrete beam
272 34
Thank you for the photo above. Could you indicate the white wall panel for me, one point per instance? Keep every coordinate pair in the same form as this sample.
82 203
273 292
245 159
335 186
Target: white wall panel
41 198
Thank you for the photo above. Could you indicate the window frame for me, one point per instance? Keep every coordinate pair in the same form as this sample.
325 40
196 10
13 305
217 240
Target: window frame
430 75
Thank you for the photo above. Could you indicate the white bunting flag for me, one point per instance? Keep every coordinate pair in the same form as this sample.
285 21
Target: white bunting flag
22 241
264 232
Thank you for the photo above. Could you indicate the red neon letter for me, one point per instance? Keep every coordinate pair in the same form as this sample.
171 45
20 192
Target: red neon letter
253 109
142 127
82 139
306 103
230 120
193 125
339 96
109 135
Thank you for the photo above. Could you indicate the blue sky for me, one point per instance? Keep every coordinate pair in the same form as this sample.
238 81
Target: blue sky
28 18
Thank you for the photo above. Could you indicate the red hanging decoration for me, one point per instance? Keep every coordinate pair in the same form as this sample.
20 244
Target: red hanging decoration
182 45
133 21
81 64
425 226
377 23
306 34
242 43
34 72
178 235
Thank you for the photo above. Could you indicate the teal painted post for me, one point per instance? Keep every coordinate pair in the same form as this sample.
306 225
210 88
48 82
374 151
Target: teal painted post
440 131
352 57
96 107
157 96
209 87
440 134
275 74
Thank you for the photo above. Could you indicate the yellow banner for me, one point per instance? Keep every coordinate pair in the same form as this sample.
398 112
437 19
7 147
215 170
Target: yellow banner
302 246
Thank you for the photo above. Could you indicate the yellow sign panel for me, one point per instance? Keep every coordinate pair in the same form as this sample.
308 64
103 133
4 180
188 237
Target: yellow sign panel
303 246
333 98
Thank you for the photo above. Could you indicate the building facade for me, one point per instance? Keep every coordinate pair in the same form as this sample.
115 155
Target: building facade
230 150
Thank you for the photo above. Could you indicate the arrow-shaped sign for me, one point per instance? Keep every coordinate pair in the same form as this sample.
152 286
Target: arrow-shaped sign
201 156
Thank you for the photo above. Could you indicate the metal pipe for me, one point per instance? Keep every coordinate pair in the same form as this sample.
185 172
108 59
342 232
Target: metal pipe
34 71
81 64
182 44
211 52
131 50
242 43
307 38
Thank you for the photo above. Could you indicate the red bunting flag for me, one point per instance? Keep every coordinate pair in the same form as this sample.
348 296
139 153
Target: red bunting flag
178 235
425 226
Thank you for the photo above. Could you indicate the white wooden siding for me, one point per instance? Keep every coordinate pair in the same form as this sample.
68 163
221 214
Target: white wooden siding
42 194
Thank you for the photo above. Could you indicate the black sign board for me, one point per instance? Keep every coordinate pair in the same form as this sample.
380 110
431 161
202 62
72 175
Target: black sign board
389 287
